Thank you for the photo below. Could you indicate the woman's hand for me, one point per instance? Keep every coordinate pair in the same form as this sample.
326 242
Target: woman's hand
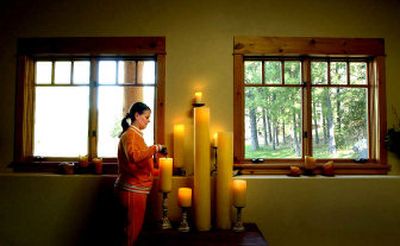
161 150
164 151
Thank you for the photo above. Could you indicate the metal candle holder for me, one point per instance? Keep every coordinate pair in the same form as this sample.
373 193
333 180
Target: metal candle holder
165 223
238 226
214 165
184 226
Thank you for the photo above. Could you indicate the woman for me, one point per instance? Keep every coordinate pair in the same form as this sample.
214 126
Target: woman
135 169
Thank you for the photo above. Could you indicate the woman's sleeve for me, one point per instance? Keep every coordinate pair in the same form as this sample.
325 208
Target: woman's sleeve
136 151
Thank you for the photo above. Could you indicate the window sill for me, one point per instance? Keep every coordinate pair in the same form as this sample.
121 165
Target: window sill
53 167
111 168
339 168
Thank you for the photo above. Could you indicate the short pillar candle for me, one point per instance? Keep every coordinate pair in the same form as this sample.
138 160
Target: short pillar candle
239 193
185 197
165 174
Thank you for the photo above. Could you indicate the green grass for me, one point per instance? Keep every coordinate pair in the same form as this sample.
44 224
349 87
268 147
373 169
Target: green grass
288 152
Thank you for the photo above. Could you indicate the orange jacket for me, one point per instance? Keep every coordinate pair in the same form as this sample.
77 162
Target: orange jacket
135 162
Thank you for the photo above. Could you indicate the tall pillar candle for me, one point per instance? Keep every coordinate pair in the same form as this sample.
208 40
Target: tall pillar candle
179 134
165 174
201 192
224 180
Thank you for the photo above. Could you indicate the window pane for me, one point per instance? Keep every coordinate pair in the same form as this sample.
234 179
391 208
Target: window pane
252 72
273 122
62 72
319 73
81 72
338 73
61 121
273 72
126 72
340 123
292 72
146 72
358 73
43 73
113 104
107 72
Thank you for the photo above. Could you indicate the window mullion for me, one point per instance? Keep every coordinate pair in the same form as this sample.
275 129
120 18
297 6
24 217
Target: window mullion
93 91
53 71
307 109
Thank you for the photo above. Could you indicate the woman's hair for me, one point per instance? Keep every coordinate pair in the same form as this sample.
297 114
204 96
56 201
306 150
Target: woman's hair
137 107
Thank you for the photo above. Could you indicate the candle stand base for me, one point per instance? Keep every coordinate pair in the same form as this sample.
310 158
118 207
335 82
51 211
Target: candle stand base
238 225
196 105
214 164
165 223
184 226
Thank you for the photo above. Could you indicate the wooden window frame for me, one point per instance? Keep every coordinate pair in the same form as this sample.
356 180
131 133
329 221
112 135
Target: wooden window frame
304 48
31 49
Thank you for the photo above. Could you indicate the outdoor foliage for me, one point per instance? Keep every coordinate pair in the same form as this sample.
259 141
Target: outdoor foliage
273 109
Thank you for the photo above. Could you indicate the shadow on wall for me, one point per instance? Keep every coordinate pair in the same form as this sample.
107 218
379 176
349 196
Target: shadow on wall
103 224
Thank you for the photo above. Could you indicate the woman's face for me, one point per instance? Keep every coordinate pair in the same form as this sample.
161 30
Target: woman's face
142 119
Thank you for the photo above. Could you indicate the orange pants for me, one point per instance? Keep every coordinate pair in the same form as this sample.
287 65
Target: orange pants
134 206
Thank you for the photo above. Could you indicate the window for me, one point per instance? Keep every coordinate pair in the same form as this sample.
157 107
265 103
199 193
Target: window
73 93
305 96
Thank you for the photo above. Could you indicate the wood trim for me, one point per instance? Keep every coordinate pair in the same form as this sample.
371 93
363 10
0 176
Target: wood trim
160 101
381 114
93 91
22 63
373 111
92 46
30 48
238 105
248 45
24 100
303 47
284 169
307 108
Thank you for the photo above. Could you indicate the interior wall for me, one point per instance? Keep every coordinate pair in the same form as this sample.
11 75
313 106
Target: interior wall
199 39
63 210
81 209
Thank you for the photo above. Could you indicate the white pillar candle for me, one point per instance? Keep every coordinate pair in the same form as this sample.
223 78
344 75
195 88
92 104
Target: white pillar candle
202 167
198 95
165 174
179 136
224 180
239 188
185 197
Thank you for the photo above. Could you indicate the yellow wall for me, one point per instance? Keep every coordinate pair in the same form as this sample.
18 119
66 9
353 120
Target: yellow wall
50 210
199 37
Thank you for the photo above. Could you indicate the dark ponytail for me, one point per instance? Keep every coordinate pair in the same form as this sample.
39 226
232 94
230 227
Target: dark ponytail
137 107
